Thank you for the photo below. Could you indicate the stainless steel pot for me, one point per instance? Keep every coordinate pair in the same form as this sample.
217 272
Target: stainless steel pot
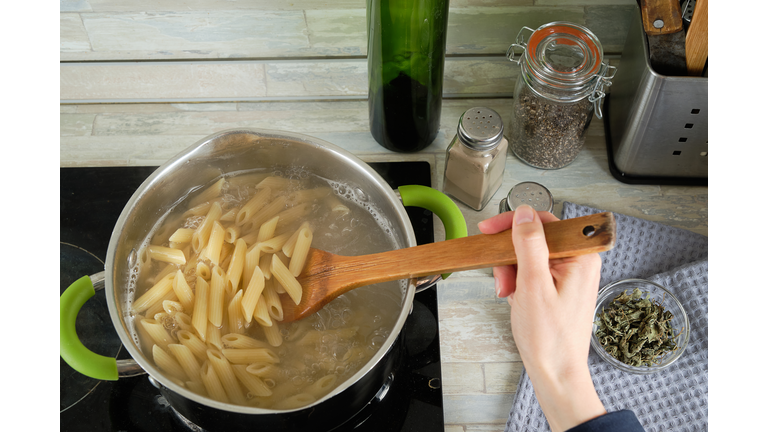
225 152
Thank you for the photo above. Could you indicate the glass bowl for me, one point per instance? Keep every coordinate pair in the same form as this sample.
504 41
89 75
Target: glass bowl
679 322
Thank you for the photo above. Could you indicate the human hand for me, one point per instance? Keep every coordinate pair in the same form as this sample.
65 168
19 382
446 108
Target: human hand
552 303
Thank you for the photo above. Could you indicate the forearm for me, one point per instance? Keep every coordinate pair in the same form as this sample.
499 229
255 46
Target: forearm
567 398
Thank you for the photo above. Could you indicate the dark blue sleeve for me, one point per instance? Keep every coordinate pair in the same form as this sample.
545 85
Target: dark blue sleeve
617 421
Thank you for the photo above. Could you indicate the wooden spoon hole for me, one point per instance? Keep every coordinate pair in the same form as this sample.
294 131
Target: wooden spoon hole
588 231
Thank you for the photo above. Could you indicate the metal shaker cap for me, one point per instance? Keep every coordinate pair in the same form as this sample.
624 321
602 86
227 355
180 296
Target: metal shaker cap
480 128
531 193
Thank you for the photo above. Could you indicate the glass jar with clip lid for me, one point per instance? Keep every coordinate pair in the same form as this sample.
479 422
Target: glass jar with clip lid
560 86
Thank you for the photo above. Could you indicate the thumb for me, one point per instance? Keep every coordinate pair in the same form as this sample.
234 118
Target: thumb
530 247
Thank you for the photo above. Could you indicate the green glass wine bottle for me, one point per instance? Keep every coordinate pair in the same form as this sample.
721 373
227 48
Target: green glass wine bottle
406 58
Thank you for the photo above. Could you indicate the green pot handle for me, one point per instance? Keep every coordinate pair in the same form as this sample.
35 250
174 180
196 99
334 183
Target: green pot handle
439 204
71 349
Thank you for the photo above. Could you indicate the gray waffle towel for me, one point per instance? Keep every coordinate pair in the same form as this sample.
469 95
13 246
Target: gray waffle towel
671 400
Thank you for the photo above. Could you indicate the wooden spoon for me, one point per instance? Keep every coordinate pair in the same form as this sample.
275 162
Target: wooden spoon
327 276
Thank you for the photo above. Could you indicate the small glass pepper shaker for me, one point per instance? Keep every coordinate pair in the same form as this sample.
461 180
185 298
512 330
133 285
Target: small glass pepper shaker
531 193
475 158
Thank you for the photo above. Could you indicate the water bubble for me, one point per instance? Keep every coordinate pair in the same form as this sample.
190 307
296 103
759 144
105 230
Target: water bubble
339 351
360 195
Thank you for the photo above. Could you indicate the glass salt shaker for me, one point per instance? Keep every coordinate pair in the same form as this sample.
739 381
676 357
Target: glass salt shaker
560 86
475 158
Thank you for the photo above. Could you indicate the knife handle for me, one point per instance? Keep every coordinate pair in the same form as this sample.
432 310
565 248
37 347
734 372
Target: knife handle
666 13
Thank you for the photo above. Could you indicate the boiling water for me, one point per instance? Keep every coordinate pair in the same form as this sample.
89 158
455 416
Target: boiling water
320 352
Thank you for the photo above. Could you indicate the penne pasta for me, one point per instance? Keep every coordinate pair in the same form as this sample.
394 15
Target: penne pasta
225 255
275 244
203 232
300 251
229 216
272 333
265 265
253 383
261 313
286 279
183 321
168 269
168 363
291 242
157 307
200 311
212 382
252 257
198 210
210 193
252 294
145 340
308 195
172 307
268 212
267 230
322 386
253 205
231 234
227 377
246 180
263 369
250 355
212 321
235 319
191 341
298 330
157 332
182 235
236 266
162 234
276 182
240 341
294 401
215 242
216 297
272 301
202 270
183 292
186 360
154 294
335 205
213 336
291 215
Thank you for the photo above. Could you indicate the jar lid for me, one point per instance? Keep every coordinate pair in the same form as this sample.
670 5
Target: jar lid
480 128
564 56
531 193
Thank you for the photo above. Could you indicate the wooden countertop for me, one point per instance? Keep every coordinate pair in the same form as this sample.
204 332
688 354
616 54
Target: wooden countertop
480 363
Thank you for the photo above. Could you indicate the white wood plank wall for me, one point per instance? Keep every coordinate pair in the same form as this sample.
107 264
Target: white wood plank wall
219 50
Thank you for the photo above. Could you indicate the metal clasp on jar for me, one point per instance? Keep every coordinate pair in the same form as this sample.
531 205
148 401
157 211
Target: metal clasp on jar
603 80
531 193
520 42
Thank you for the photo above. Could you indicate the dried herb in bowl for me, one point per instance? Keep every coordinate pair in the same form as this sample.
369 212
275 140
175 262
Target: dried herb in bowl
636 330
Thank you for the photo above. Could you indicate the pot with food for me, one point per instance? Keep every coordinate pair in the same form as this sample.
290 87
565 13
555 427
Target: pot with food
202 253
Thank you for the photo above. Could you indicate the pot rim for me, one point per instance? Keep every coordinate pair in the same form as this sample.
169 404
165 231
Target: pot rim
177 161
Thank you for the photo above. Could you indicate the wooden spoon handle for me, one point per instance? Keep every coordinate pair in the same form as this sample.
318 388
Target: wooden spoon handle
570 237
